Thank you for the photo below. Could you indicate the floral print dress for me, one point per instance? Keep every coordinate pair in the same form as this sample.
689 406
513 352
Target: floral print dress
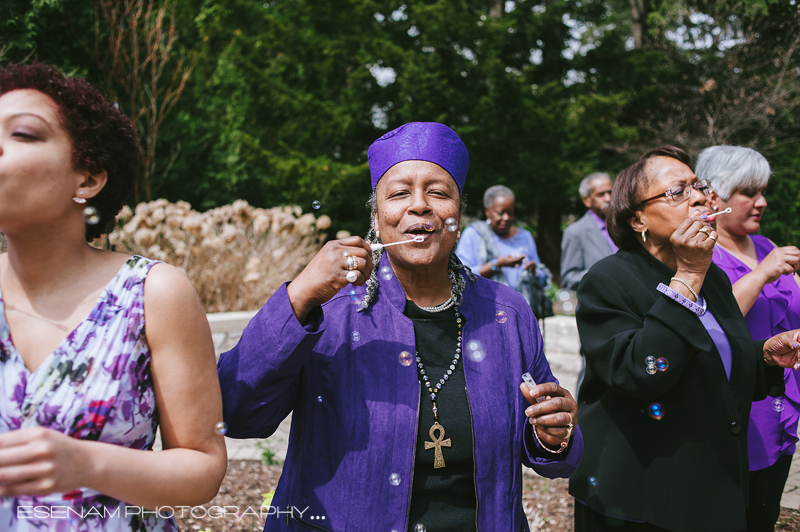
96 386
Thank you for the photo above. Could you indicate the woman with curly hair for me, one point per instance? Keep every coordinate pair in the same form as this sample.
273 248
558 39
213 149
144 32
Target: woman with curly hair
97 349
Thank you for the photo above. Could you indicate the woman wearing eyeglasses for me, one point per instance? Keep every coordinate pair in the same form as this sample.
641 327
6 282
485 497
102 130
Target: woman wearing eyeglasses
671 369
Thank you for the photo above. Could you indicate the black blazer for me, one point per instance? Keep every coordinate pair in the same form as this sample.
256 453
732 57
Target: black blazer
687 471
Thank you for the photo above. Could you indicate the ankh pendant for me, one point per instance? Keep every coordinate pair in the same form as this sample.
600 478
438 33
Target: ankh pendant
438 443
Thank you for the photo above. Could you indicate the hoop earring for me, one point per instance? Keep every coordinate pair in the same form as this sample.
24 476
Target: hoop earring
644 236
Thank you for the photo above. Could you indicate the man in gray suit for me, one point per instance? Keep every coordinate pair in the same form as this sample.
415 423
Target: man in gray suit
587 240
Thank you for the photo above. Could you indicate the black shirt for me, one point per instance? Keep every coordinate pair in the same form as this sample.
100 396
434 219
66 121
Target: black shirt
442 499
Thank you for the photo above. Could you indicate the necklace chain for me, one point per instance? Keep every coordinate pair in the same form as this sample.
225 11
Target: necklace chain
433 390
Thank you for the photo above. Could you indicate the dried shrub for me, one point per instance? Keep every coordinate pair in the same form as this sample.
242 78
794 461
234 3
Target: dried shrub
236 256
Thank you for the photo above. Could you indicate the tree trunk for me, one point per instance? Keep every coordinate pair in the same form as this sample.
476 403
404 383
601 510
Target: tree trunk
497 9
639 11
549 242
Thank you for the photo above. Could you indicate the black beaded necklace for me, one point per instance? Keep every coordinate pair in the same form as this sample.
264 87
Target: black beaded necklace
438 443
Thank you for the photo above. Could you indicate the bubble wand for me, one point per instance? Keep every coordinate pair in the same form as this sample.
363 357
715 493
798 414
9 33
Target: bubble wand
376 247
713 216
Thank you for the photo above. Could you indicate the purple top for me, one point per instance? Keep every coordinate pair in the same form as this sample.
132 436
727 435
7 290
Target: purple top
419 141
773 421
720 340
601 224
355 402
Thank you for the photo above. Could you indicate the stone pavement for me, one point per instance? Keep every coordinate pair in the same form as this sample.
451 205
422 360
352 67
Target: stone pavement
562 349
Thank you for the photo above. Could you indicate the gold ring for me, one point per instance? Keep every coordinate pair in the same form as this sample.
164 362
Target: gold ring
712 238
705 229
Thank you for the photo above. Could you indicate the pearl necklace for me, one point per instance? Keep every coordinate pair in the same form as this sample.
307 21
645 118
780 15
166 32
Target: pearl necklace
438 443
439 308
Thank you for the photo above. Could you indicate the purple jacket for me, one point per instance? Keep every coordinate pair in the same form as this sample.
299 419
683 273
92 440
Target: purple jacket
355 406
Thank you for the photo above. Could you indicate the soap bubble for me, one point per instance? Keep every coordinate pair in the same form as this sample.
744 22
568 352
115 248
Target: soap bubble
563 295
91 215
419 527
475 350
221 428
662 364
651 369
316 204
650 360
394 479
655 410
356 336
406 359
386 273
593 481
501 316
451 225
319 398
567 306
428 227
778 405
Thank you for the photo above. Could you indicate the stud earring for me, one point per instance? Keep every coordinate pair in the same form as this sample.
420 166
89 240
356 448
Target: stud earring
377 234
79 200
644 236
458 235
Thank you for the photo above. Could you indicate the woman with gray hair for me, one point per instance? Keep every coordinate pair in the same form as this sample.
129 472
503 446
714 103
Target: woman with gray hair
768 295
500 251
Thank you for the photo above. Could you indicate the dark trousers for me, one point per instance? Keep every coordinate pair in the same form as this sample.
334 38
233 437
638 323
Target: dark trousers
587 520
766 489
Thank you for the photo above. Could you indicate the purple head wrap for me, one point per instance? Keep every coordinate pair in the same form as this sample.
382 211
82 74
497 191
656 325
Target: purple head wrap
419 141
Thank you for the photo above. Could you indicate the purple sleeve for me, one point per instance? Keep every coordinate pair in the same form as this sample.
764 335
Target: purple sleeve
260 376
546 464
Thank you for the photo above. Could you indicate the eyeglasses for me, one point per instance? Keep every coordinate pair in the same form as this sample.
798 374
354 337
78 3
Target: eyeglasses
678 194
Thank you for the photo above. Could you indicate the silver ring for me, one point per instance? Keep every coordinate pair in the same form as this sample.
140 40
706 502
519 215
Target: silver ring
352 263
352 276
705 229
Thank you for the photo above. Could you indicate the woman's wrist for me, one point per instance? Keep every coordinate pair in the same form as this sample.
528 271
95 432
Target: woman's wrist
687 284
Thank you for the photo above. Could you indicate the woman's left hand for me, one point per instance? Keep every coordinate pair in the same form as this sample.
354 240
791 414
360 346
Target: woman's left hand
783 350
40 461
555 417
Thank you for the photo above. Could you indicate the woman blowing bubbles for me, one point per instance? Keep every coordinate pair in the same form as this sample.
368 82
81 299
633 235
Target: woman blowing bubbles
671 369
407 403
97 349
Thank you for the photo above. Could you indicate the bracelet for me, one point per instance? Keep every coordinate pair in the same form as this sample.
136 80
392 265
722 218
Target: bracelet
564 444
684 283
683 300
494 265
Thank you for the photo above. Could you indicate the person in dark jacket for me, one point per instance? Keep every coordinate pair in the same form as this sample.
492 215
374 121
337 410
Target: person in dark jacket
671 369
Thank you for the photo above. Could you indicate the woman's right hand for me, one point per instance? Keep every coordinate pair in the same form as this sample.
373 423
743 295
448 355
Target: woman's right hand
326 274
693 250
780 261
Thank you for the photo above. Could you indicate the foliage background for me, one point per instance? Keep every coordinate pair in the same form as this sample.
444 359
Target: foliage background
285 96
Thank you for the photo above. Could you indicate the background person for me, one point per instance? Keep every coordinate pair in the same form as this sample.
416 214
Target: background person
587 240
500 251
405 396
766 289
671 370
97 349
